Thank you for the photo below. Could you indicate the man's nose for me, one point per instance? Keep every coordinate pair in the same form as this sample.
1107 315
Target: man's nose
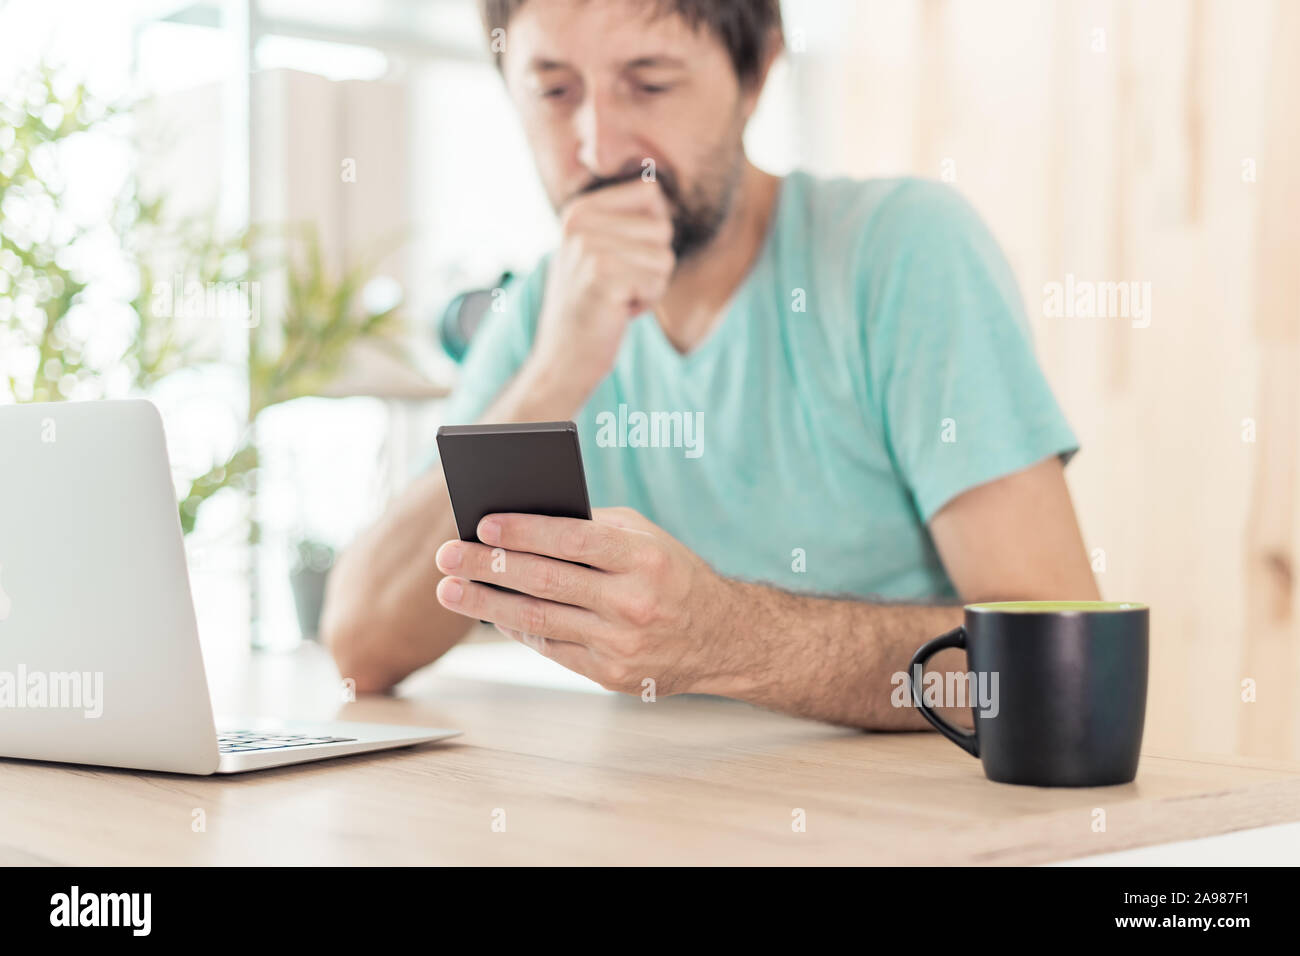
606 146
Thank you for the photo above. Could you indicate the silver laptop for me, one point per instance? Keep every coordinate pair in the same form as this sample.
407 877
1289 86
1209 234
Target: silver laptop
99 650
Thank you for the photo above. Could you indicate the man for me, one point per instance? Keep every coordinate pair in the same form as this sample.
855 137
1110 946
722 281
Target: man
869 422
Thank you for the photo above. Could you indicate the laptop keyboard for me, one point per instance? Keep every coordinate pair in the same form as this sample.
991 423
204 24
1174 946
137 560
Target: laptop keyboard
238 741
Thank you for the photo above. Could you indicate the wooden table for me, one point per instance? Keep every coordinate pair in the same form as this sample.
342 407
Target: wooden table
546 776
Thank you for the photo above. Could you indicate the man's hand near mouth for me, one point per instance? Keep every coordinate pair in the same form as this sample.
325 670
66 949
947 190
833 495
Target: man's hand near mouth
613 263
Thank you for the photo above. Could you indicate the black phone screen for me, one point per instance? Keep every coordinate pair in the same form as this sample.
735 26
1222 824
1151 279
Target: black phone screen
527 468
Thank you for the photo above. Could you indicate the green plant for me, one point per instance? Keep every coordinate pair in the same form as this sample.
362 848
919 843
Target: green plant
55 316
322 318
46 355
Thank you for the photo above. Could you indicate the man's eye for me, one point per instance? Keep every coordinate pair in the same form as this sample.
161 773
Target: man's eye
555 92
653 88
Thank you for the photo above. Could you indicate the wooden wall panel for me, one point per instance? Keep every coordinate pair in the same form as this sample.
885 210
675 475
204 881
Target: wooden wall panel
1113 140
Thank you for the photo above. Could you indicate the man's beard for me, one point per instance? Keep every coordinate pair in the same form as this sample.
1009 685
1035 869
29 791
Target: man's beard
696 217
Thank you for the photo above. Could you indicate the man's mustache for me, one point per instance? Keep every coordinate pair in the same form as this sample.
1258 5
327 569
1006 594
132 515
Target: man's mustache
665 178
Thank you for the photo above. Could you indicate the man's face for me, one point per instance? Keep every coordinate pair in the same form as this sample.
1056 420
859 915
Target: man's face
602 86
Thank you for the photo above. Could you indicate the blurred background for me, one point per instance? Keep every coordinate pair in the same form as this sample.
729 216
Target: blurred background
263 215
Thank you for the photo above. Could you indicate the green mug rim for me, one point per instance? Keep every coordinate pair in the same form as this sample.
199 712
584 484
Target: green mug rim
1057 607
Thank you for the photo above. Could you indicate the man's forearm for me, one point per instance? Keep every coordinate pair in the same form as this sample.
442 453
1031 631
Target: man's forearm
832 659
381 618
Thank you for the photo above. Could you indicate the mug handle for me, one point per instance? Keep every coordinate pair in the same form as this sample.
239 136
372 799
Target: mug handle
964 739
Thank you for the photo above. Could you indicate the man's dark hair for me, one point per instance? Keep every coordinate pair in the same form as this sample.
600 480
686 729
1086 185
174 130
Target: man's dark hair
745 27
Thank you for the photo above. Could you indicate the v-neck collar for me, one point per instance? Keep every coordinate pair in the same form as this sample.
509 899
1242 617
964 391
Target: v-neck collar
727 315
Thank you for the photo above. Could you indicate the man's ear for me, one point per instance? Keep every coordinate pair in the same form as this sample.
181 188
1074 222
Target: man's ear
774 47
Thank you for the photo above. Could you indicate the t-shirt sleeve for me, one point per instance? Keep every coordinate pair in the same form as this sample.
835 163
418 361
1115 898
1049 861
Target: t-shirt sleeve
961 396
498 349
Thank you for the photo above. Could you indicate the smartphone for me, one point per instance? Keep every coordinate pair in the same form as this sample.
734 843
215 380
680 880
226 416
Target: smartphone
528 468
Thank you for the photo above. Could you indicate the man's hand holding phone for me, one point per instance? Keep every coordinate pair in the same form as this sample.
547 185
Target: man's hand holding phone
616 599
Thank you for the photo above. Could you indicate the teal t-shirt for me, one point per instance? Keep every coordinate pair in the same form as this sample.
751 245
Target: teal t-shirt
875 363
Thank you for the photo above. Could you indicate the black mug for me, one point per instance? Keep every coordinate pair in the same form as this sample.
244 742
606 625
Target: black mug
1068 683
